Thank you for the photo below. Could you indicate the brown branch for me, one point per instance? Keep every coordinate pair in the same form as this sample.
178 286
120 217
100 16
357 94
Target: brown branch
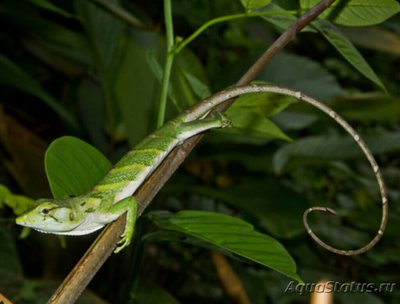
102 248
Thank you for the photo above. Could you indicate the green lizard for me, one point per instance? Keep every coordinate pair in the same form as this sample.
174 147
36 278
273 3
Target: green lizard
112 196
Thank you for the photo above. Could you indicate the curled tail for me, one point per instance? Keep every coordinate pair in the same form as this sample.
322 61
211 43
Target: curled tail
207 105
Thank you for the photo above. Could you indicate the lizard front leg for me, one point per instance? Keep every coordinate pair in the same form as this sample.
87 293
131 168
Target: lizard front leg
128 205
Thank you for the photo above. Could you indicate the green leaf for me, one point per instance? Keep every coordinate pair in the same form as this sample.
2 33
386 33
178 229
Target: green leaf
105 33
60 47
334 148
356 12
231 234
158 73
249 114
200 89
252 4
303 74
18 203
47 5
254 124
129 86
347 49
13 76
266 104
148 292
369 107
278 208
73 166
10 265
282 21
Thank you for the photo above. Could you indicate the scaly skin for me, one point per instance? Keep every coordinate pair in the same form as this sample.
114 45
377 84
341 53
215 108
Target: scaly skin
112 196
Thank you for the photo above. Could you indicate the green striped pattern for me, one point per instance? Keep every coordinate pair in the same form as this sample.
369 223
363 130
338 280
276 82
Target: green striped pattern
137 164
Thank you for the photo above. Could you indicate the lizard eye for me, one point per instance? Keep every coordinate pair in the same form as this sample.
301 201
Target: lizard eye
45 210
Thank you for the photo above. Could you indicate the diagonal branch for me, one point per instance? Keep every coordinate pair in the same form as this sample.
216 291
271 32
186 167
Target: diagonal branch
102 248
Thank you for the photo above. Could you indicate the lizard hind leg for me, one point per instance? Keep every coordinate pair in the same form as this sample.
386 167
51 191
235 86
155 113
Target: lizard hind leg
127 205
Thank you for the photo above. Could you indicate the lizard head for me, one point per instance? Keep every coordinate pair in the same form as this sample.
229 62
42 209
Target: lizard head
51 216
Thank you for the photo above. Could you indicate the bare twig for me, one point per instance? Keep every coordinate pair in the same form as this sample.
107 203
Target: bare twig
102 248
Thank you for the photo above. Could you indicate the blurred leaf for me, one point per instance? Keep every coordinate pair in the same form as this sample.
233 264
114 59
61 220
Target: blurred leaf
158 72
129 86
356 12
59 47
252 4
91 110
231 234
136 86
374 38
278 208
13 76
176 236
10 265
347 49
333 148
147 292
200 89
73 166
303 74
292 120
18 203
369 107
186 91
106 35
25 151
282 21
47 5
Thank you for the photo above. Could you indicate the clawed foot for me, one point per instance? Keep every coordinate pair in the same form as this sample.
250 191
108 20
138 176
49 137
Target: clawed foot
225 121
123 242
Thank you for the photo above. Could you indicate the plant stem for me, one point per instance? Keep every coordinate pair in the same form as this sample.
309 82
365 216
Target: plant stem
227 18
102 248
169 27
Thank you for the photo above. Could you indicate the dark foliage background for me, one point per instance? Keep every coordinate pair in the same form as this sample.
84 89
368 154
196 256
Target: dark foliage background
73 68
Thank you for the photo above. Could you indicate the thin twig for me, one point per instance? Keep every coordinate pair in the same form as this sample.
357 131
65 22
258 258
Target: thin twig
102 248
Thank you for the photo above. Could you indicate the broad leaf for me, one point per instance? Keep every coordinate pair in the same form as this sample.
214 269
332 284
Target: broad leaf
249 114
303 74
231 234
73 166
347 49
129 86
253 124
278 208
357 12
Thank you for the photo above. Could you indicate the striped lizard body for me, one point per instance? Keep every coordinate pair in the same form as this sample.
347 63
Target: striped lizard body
112 196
